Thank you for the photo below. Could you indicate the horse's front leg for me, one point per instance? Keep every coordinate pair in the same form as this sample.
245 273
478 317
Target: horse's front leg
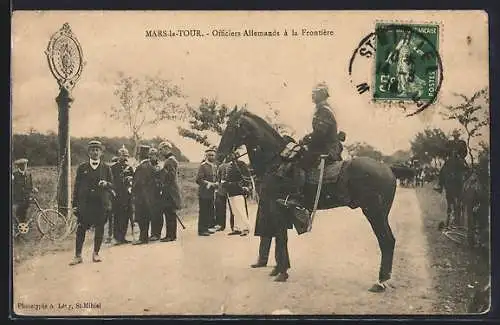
449 211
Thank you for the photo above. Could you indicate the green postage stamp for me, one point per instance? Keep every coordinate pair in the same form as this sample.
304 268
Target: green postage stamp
407 62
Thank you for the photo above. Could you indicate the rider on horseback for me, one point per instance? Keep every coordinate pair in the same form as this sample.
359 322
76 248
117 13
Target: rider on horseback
457 151
323 140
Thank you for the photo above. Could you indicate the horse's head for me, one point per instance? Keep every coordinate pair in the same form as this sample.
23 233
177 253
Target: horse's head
245 128
233 137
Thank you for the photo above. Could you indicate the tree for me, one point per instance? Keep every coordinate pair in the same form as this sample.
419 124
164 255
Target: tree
363 149
209 117
430 146
471 115
144 103
398 157
273 117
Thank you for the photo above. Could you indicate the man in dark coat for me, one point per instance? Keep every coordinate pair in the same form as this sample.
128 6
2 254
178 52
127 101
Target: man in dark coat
274 221
91 199
457 151
171 200
22 187
156 218
206 180
323 140
122 207
144 191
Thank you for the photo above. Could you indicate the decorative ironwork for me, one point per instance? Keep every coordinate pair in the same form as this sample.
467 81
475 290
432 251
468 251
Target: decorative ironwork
65 57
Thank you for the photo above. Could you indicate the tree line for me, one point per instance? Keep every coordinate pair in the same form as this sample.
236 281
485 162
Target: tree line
145 102
42 149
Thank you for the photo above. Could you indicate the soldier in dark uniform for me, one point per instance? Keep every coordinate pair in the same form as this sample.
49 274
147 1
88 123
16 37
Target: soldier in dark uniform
156 216
457 151
122 207
144 192
91 199
170 193
206 180
22 184
323 140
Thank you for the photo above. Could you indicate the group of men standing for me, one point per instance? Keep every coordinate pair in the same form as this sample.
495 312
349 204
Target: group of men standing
220 187
121 193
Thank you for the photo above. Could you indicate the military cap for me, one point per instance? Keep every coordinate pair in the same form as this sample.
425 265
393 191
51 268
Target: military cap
95 144
21 161
165 144
123 151
211 149
322 87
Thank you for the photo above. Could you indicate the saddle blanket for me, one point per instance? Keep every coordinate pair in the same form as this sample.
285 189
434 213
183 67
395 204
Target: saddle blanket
332 173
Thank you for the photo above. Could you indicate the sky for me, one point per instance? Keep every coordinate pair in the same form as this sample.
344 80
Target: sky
236 70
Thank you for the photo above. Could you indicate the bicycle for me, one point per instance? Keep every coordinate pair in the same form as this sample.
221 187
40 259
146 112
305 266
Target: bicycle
49 222
455 234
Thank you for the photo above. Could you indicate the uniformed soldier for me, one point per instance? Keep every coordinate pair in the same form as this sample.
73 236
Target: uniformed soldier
144 191
91 199
206 180
170 193
322 140
221 199
22 184
122 207
457 151
156 211
237 188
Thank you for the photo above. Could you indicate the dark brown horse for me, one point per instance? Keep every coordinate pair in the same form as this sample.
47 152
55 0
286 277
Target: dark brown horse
370 185
454 174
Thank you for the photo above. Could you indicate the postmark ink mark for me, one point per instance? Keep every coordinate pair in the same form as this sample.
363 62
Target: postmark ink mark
403 64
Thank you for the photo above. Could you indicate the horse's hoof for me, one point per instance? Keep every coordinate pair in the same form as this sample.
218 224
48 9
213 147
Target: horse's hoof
377 287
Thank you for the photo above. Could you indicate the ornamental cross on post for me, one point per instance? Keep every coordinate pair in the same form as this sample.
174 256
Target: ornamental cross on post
65 58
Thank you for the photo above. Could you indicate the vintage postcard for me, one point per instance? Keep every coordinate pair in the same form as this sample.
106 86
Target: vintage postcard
250 163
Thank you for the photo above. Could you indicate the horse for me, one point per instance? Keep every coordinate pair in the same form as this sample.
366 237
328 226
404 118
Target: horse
454 176
476 204
406 175
370 185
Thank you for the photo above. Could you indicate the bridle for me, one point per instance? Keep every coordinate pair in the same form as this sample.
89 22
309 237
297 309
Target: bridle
236 157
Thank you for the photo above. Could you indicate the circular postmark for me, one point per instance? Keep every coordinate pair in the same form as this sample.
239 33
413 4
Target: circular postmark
399 65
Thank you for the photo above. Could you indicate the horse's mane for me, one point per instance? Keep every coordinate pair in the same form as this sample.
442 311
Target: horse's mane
264 125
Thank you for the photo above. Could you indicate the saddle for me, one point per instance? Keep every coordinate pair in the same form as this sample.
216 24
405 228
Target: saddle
333 171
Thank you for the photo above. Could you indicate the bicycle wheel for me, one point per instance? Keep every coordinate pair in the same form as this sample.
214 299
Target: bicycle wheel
71 225
51 224
456 236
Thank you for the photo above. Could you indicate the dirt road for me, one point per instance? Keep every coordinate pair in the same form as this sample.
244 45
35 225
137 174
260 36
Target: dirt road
332 268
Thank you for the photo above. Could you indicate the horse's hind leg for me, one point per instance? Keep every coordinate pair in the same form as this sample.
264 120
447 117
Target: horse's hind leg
380 225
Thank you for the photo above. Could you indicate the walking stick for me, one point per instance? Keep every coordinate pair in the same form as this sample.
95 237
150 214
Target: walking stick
246 207
180 221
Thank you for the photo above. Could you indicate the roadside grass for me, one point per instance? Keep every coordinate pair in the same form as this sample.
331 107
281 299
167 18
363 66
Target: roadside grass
457 270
